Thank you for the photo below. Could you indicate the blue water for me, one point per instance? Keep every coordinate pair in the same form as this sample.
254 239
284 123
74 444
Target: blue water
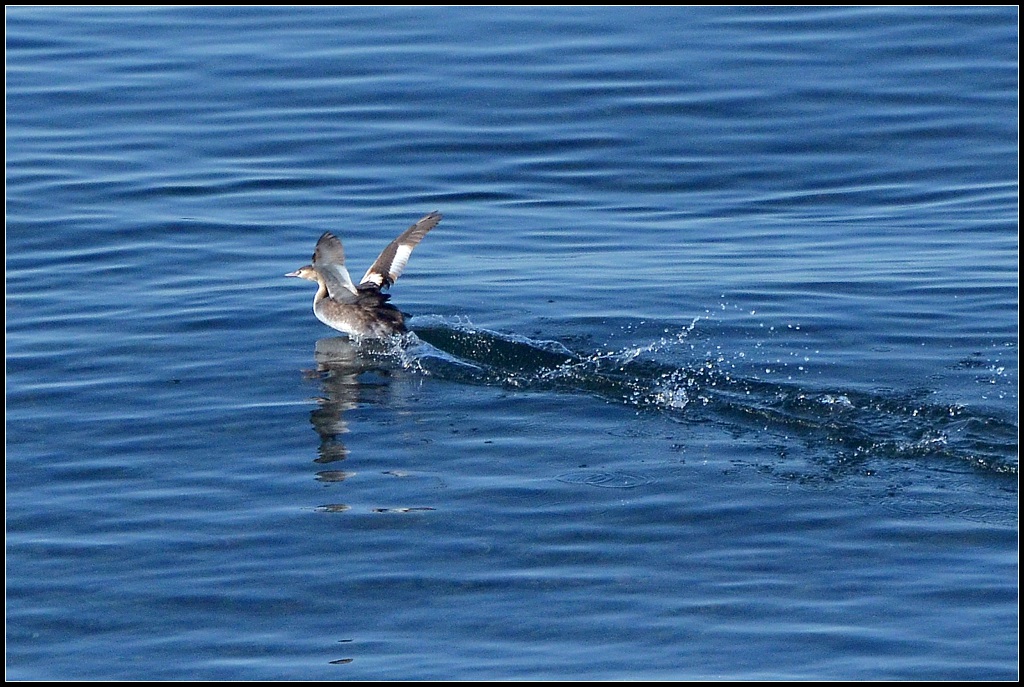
714 373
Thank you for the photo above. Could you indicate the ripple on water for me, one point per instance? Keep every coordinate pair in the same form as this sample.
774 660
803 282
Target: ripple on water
606 479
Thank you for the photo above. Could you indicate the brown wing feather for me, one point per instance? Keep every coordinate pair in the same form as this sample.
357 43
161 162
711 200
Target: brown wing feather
391 262
329 262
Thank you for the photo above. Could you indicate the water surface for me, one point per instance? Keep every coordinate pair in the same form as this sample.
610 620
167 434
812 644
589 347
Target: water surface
714 372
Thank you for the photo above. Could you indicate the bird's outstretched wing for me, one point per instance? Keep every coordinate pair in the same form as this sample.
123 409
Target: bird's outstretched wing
393 259
329 262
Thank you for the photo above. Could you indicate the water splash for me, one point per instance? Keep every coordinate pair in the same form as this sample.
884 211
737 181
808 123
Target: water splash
850 427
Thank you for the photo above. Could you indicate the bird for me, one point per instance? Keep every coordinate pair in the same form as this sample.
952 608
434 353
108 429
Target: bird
361 310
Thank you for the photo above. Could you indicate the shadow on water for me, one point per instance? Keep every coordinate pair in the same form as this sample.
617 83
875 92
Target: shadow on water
845 429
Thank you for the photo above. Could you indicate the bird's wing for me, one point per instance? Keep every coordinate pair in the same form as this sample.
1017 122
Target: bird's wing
329 262
393 259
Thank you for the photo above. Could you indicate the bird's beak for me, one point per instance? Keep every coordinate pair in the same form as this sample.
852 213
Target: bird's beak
292 274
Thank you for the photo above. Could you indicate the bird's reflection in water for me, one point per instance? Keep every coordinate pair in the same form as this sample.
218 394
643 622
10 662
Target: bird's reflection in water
355 375
351 374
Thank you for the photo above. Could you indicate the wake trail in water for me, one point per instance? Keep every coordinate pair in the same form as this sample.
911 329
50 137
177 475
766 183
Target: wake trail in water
853 426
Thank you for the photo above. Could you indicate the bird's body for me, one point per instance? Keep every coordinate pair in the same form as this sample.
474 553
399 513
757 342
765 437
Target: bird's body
361 311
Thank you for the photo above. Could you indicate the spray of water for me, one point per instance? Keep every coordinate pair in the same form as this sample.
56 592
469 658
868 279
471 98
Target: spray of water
852 426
